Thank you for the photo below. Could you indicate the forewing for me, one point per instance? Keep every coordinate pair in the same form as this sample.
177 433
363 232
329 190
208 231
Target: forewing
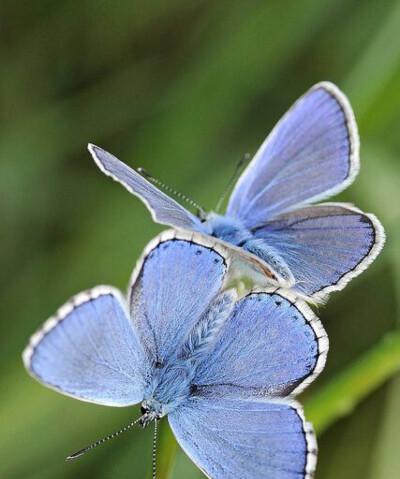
312 153
230 439
163 209
325 246
90 351
172 286
271 346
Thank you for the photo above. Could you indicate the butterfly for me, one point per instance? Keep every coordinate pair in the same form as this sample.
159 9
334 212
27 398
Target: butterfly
274 233
223 369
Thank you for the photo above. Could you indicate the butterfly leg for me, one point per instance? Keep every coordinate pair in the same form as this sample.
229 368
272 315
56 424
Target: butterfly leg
270 256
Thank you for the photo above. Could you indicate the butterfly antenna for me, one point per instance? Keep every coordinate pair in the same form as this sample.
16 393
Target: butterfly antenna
154 452
238 169
113 435
200 211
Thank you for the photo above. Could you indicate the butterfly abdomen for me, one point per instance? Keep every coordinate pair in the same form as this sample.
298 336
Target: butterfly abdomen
206 330
270 256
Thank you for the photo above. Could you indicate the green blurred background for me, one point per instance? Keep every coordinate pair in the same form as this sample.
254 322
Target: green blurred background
184 89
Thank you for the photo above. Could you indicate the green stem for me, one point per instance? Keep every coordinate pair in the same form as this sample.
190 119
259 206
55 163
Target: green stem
341 395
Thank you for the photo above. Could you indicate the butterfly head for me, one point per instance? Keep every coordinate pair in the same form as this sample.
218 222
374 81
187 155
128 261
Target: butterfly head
227 229
148 414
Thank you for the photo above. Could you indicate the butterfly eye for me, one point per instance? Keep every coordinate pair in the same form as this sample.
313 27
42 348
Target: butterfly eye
144 410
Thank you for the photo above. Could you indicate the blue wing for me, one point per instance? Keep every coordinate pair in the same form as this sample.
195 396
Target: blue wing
171 289
324 245
269 347
312 153
231 439
90 351
163 209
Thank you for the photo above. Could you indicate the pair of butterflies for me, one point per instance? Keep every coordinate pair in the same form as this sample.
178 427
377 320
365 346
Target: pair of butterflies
225 370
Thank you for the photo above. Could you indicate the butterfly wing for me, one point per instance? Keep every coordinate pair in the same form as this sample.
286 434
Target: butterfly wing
172 286
271 346
228 438
325 246
163 209
90 351
312 153
236 424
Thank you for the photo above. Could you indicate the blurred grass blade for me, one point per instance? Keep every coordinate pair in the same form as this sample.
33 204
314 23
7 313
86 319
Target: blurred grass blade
342 394
376 65
386 460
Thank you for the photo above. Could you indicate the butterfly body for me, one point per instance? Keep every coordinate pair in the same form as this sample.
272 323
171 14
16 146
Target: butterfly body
272 227
224 370
174 381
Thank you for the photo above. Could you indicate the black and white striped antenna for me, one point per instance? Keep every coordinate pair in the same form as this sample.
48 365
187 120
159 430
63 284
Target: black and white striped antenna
200 211
101 441
239 165
154 450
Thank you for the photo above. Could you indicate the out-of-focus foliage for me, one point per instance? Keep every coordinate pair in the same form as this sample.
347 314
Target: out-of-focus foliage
184 89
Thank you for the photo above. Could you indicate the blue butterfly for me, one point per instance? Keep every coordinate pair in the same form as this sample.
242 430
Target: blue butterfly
224 370
274 233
